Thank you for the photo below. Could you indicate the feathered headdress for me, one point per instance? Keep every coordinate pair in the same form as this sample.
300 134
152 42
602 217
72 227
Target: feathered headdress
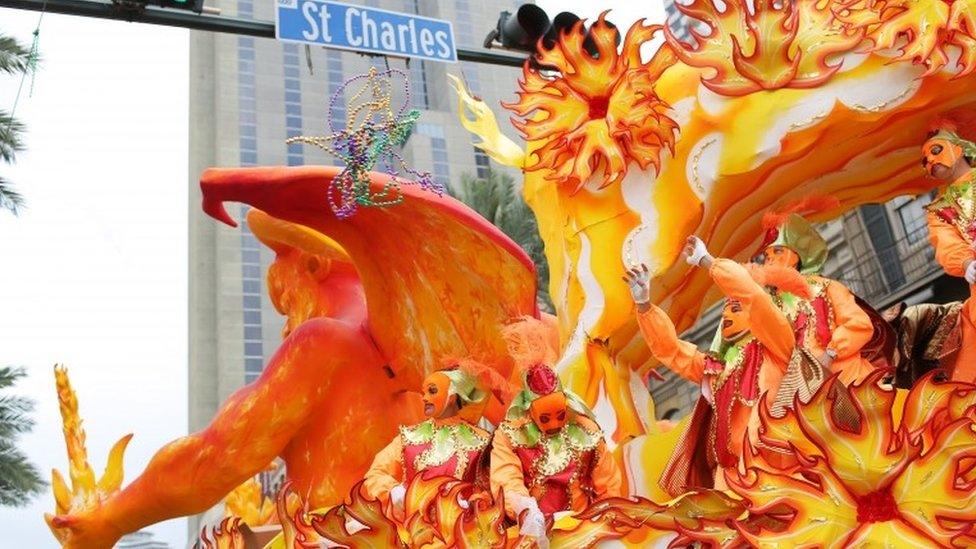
533 347
958 128
787 226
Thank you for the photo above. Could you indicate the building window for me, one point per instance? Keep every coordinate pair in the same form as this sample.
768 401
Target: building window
418 84
333 62
295 153
912 216
482 163
438 149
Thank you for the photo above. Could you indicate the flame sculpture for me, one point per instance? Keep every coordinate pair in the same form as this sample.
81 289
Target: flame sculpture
786 101
86 494
883 485
784 45
605 117
226 535
929 33
249 503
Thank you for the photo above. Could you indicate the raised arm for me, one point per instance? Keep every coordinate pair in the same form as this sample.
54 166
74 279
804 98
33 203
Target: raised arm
766 321
682 357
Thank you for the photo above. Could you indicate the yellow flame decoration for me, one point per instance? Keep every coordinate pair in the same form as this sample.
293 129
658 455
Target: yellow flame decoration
85 492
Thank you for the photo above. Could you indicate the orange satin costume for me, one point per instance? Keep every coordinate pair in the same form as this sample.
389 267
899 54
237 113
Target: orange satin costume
415 451
952 231
843 325
769 346
585 468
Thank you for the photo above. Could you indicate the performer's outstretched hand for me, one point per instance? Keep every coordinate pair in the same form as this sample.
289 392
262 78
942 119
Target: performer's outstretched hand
397 495
696 254
532 523
638 280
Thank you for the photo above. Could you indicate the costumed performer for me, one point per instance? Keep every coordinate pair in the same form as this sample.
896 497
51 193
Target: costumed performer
836 328
448 443
951 218
549 455
754 344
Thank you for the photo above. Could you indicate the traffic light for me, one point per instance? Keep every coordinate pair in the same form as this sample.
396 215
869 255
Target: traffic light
522 30
189 5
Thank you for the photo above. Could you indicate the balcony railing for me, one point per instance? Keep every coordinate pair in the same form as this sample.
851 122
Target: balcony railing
882 273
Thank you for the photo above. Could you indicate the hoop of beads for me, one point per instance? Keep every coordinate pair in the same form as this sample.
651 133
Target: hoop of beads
372 134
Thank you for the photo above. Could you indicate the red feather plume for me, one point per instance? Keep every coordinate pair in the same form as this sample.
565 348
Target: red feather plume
960 122
805 207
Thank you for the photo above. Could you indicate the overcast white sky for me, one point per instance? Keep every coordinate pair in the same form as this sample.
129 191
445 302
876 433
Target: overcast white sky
94 270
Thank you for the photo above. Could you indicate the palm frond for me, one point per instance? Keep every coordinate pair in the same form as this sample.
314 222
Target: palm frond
19 479
10 199
11 140
15 58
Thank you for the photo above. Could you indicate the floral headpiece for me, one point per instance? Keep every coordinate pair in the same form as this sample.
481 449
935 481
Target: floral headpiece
531 346
787 226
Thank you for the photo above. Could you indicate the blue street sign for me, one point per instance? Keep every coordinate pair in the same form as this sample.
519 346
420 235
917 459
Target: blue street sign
365 29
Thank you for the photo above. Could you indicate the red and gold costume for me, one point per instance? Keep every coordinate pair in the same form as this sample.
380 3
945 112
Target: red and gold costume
952 230
832 321
733 375
449 443
549 448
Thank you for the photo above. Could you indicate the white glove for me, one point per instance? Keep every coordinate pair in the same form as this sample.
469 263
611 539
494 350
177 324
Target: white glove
463 503
397 494
638 280
533 522
695 251
971 273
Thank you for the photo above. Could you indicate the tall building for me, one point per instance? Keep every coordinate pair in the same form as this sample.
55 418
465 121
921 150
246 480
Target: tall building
140 540
247 96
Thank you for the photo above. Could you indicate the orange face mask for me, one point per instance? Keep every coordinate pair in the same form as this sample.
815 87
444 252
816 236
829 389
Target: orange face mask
734 320
939 156
549 412
780 255
435 394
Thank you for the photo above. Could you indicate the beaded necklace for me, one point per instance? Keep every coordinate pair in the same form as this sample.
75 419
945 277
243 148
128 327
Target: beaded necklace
371 134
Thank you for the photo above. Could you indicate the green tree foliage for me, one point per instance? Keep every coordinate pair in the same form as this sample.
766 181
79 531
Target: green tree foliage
19 479
15 59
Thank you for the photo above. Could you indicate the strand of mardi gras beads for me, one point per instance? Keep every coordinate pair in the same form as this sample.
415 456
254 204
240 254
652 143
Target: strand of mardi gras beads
373 133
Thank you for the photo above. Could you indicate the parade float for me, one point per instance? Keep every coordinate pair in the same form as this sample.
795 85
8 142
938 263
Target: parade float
628 151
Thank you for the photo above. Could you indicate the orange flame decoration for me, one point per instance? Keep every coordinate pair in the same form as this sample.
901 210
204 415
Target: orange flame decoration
601 113
226 535
779 45
924 32
881 485
85 493
436 519
248 503
813 483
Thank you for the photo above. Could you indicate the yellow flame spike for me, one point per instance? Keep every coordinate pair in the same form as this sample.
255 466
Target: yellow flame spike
62 495
112 477
81 473
501 149
86 494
